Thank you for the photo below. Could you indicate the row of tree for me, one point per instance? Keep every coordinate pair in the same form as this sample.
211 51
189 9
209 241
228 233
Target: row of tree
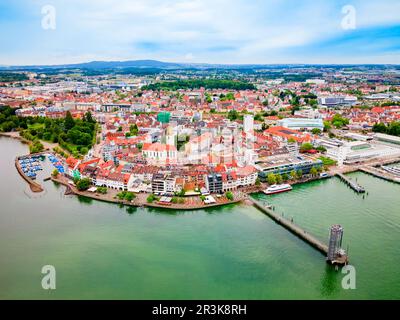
294 175
392 129
75 135
209 84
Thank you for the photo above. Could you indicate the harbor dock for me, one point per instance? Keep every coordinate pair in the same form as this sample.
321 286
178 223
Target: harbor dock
301 233
352 184
379 173
289 225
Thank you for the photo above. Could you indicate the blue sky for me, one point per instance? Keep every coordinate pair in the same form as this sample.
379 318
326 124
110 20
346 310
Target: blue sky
211 31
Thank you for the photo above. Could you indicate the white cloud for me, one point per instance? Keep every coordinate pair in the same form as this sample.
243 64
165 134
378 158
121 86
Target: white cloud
210 30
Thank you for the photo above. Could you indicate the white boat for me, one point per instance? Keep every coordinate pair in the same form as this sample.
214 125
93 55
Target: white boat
278 188
393 170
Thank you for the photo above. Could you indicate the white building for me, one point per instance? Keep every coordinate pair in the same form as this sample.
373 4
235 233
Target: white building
359 151
248 123
301 123
333 101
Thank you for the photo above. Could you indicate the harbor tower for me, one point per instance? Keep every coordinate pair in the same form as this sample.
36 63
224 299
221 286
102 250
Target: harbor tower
335 252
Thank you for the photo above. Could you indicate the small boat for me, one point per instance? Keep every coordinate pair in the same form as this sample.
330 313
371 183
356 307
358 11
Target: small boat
278 188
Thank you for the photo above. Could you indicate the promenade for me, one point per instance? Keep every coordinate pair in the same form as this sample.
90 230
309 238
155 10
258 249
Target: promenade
191 203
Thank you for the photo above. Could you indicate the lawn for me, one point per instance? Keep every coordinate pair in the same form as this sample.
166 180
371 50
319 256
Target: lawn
36 126
327 161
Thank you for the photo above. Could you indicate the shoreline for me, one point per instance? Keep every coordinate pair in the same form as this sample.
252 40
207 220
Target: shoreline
16 137
139 202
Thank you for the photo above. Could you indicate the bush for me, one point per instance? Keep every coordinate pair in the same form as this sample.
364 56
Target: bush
151 198
229 196
174 200
55 173
271 179
102 190
306 147
36 147
126 195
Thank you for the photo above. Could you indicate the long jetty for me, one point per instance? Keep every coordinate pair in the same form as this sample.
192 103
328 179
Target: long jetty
289 225
352 184
377 173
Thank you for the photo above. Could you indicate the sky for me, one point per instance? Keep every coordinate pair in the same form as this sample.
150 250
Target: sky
200 31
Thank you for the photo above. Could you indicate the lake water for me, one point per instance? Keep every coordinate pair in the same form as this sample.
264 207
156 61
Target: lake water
104 251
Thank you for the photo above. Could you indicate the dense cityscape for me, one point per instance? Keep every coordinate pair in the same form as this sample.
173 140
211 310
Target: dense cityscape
187 138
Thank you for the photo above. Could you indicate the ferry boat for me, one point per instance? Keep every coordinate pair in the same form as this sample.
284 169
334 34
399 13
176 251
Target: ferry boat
393 170
278 188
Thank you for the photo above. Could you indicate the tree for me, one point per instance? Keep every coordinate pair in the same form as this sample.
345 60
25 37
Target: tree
102 190
129 196
379 127
279 179
83 184
259 117
151 198
338 121
174 200
293 174
69 122
316 131
229 196
258 182
285 177
306 147
134 130
36 147
271 179
88 117
181 193
55 173
299 174
321 149
233 115
327 126
314 171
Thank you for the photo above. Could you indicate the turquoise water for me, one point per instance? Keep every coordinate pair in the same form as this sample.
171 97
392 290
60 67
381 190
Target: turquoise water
104 251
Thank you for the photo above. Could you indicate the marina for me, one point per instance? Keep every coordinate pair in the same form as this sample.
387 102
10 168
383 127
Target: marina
30 165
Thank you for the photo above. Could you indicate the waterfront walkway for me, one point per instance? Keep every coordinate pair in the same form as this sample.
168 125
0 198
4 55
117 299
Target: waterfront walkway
379 173
351 183
191 203
289 225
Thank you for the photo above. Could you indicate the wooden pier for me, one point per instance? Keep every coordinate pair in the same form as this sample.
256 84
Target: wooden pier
352 184
289 225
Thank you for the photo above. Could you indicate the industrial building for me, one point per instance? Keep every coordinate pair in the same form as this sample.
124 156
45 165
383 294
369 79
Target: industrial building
301 124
